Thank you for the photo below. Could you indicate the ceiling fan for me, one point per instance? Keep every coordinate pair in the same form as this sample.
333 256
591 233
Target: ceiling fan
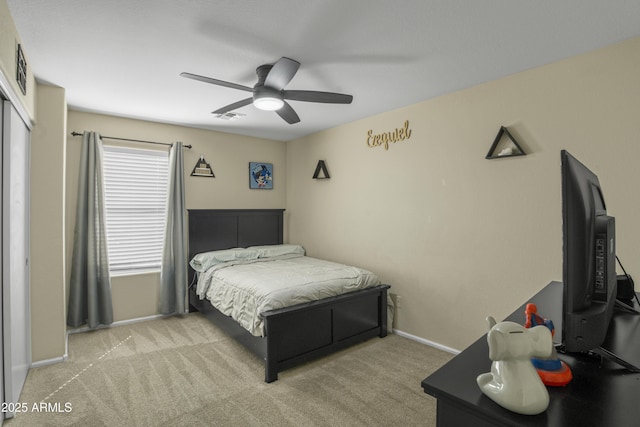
269 93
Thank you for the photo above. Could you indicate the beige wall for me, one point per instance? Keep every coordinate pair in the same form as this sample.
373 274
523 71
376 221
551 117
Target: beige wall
229 156
457 236
48 225
9 40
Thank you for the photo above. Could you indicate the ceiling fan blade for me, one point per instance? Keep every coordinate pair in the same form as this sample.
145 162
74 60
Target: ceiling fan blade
216 82
288 114
233 106
281 73
314 96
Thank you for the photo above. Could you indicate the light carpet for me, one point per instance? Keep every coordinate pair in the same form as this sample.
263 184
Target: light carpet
185 371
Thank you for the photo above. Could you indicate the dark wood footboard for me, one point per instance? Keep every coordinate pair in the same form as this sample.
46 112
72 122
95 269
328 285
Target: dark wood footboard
300 333
304 332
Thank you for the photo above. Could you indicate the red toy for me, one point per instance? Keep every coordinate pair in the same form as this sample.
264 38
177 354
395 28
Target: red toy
552 371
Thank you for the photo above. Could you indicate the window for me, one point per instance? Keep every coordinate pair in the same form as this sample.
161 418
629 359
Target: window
135 201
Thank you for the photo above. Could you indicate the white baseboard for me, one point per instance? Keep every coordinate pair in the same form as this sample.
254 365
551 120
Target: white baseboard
159 316
52 361
119 323
427 342
86 329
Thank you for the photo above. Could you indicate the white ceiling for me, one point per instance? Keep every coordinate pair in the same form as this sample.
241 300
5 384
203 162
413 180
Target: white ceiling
124 57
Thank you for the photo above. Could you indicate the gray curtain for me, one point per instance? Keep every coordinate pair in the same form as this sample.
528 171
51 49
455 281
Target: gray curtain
90 287
173 278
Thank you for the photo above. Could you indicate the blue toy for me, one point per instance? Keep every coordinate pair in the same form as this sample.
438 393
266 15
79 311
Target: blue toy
552 371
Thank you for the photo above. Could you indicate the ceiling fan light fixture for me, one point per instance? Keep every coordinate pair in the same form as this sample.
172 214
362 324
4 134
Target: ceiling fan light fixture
268 103
268 99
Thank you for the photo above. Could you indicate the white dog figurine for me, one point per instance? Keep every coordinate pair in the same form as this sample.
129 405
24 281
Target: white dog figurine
513 382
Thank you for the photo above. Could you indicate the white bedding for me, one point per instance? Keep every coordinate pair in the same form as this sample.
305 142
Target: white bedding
243 289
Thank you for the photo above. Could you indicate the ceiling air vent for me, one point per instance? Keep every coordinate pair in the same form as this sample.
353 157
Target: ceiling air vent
229 116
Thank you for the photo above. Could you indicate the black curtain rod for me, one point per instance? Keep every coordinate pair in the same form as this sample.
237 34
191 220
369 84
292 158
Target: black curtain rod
74 133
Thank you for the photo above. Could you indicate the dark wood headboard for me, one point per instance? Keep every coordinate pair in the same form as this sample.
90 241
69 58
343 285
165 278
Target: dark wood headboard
216 229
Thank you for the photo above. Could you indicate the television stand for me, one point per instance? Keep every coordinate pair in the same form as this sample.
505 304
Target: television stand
620 345
623 306
612 357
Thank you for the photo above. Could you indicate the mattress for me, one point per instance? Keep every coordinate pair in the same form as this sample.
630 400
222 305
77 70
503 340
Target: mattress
244 288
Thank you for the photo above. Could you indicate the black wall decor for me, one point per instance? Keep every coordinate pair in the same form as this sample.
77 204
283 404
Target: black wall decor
202 168
21 70
321 167
505 145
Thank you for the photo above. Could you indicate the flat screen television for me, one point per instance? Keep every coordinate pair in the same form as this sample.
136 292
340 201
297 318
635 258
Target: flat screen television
589 256
589 267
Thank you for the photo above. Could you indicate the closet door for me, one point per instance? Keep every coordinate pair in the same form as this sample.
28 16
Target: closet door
15 253
1 268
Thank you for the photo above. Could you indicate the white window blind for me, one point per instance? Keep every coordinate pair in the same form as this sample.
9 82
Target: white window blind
135 198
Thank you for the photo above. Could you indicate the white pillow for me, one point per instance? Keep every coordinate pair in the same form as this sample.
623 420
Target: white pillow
203 261
277 250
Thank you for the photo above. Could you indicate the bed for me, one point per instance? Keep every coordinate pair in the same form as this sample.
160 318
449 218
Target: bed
290 335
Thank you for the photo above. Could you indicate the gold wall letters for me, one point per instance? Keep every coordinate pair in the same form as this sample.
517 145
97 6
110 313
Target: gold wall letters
384 138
